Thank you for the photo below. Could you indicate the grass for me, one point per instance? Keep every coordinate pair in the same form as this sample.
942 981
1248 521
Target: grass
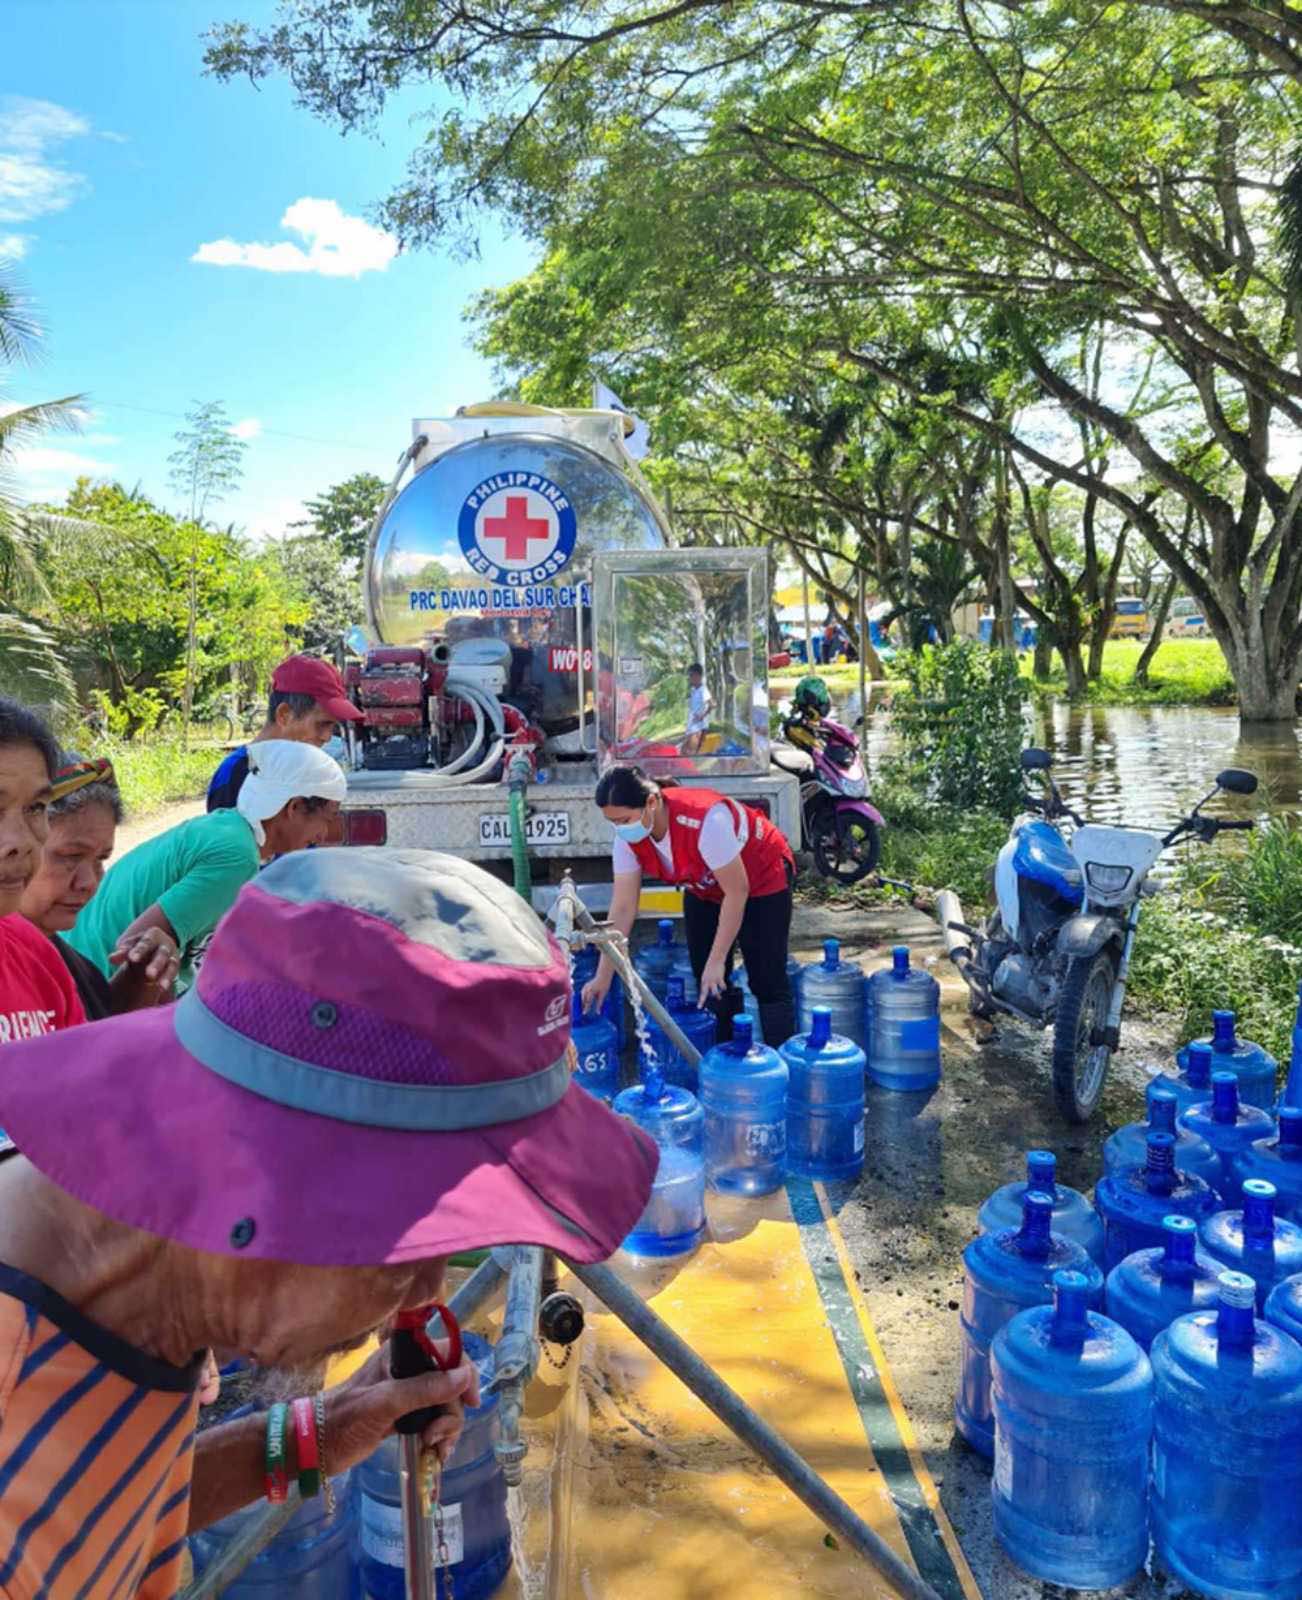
152 773
1184 672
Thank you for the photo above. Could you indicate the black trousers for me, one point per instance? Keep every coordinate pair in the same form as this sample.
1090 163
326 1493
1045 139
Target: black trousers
765 929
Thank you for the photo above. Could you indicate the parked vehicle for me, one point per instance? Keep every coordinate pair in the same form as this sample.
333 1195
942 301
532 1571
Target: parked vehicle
1056 951
838 821
1131 620
1186 620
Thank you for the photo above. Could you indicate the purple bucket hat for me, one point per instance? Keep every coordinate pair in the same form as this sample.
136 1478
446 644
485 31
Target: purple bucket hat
370 1069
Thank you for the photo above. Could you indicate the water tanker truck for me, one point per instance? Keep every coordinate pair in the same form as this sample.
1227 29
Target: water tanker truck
530 618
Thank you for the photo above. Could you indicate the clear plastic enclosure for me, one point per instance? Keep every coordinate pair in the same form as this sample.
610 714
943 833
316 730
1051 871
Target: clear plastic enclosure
682 660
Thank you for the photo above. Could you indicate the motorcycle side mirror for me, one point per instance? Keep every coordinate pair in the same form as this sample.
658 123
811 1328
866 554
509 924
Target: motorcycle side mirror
1237 781
1035 760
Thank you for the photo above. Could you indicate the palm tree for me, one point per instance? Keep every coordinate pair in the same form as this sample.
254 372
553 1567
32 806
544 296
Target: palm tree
31 663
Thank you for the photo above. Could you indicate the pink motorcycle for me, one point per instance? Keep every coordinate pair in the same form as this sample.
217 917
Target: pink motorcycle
840 824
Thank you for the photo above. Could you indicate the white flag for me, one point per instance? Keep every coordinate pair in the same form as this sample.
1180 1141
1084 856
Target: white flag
637 443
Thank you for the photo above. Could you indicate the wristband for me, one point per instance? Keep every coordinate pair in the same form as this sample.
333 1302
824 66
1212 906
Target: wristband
309 1454
277 1473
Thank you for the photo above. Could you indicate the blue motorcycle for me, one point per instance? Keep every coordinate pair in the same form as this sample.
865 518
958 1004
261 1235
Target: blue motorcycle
1055 952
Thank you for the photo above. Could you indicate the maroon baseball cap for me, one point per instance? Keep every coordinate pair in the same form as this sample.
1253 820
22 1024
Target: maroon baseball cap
371 1068
311 675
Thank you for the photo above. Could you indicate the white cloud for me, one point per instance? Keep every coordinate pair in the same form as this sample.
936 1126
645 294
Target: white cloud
32 180
246 428
13 246
337 245
39 460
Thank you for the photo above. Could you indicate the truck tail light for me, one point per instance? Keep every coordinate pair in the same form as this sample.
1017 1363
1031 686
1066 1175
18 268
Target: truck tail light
366 827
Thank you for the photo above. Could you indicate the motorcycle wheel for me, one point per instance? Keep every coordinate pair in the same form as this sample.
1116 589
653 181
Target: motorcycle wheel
846 847
1080 1068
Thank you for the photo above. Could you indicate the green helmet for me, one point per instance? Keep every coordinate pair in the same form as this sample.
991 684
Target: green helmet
811 695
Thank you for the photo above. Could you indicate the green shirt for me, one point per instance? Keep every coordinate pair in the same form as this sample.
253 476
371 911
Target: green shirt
192 872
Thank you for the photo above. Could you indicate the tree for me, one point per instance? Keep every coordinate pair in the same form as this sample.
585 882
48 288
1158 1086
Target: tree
346 511
876 172
119 606
206 465
315 571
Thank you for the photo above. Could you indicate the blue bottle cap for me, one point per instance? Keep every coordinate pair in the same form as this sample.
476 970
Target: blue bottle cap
820 1030
1223 1030
831 953
743 1035
1179 1236
1238 1296
1041 1170
1225 1097
900 961
1199 1070
1259 1210
1069 1324
665 930
1161 1108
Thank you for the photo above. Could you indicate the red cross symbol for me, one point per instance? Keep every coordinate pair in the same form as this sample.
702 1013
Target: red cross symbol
517 528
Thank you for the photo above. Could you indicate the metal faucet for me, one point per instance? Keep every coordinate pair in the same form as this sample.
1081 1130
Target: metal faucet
517 1353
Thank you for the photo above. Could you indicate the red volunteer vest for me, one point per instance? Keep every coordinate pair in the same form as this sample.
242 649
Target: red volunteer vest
765 853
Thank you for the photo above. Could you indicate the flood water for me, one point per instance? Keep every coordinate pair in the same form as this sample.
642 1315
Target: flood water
1145 766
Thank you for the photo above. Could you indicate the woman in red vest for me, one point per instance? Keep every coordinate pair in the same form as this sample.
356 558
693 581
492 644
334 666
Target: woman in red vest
736 870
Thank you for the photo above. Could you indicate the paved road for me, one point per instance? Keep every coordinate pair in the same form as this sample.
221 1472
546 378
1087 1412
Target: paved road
132 833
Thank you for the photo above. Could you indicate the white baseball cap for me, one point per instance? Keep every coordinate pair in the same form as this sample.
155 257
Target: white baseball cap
281 770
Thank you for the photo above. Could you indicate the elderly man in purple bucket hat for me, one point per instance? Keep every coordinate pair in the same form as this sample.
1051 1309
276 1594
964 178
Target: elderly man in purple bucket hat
370 1074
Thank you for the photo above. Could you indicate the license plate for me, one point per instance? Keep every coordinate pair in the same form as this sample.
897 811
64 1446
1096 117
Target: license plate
541 827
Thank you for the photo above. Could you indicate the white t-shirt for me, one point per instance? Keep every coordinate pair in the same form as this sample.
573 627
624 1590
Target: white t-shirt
699 706
719 843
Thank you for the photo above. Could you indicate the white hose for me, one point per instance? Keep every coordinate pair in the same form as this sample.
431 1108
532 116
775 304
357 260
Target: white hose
484 705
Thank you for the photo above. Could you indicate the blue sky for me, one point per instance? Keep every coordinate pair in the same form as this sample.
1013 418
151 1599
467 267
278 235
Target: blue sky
120 164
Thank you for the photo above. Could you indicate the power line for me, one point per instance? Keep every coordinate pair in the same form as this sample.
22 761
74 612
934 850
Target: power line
180 416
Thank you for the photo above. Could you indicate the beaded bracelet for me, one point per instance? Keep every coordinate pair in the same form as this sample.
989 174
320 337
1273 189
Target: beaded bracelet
276 1463
308 1446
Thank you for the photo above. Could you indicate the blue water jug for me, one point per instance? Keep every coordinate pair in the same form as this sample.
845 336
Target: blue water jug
904 1046
1147 1291
838 985
1227 1451
1292 1095
1135 1201
1128 1146
744 1096
1254 1241
472 1502
654 962
825 1102
1278 1161
1073 1407
1254 1067
699 1027
674 1219
1004 1273
1073 1216
1230 1126
1284 1306
598 1052
583 967
1193 1082
311 1558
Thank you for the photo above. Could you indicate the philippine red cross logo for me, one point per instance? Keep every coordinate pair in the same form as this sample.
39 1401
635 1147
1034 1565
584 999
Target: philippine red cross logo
517 527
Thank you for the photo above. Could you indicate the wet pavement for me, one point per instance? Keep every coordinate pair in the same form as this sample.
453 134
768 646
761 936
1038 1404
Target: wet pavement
929 1163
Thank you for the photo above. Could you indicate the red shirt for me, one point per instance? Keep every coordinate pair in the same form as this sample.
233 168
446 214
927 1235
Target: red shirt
765 853
37 994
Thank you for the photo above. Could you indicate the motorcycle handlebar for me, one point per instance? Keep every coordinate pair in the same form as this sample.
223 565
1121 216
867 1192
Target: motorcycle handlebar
1242 826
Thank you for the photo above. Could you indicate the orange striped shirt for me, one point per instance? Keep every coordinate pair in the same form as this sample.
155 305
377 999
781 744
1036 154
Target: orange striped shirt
96 1447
